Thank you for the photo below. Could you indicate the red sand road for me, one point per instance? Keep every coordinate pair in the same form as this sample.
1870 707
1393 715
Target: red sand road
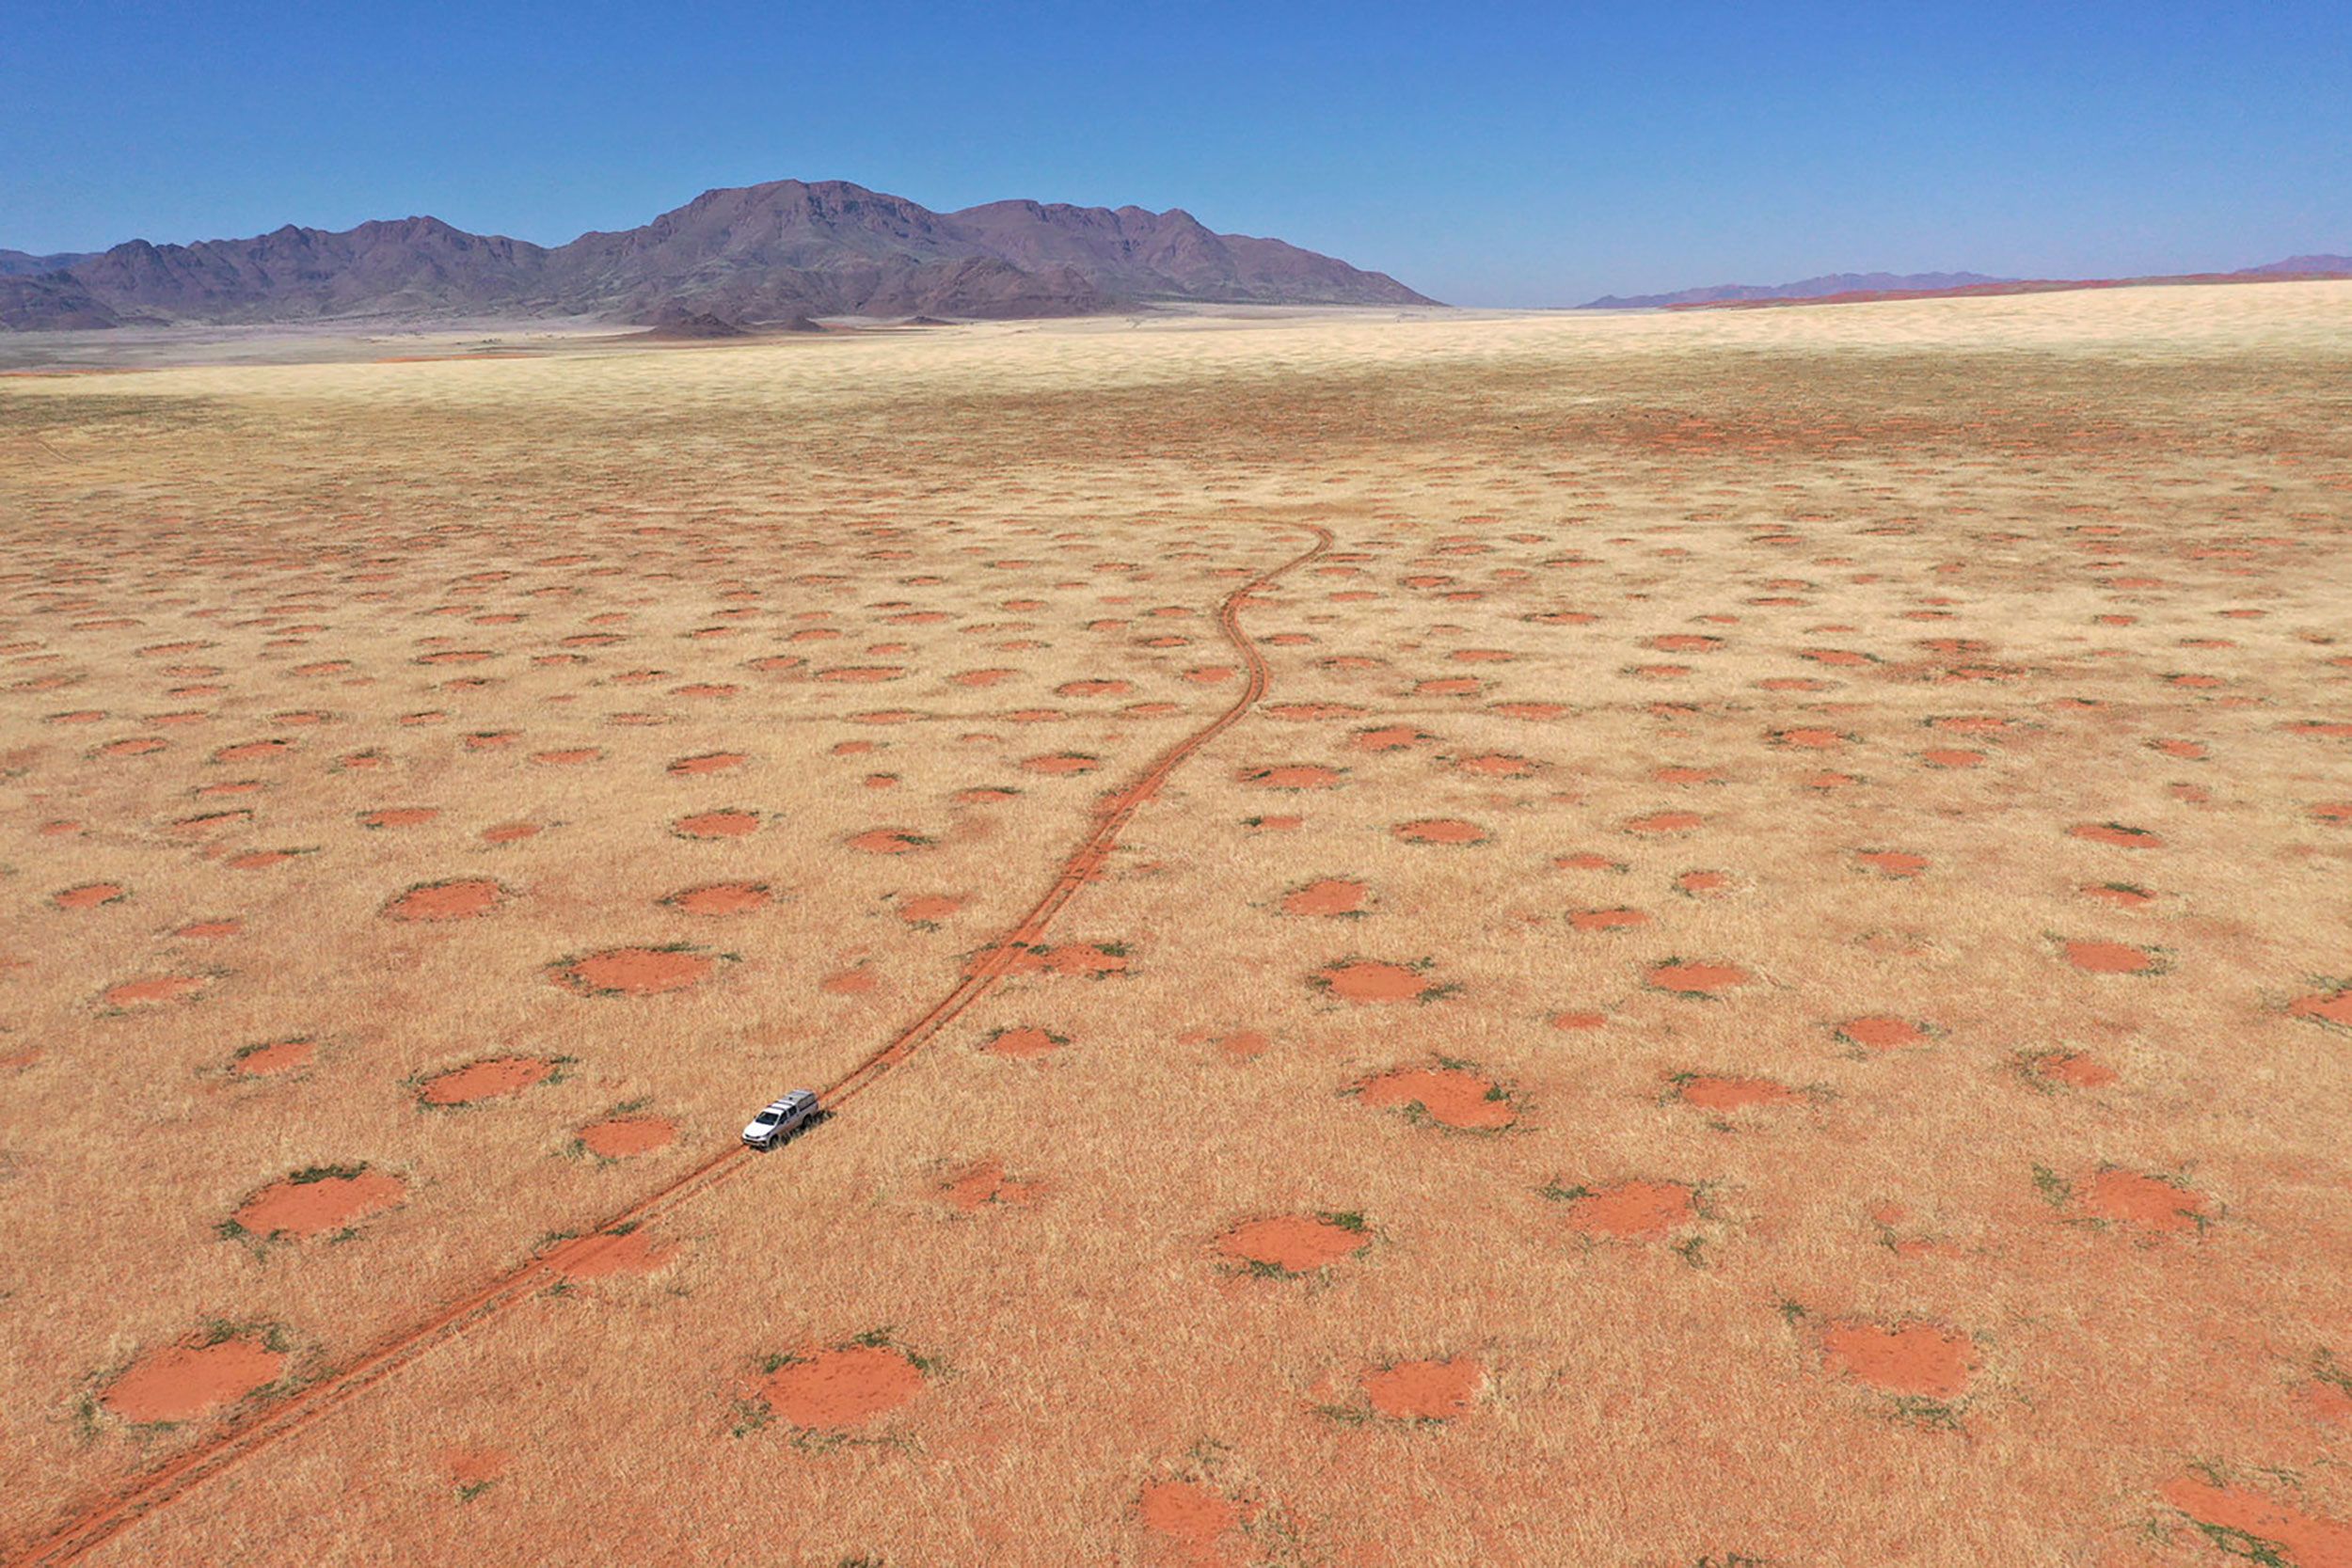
103 1518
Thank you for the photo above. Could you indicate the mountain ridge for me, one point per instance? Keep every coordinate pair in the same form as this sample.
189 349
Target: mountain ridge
747 255
1843 287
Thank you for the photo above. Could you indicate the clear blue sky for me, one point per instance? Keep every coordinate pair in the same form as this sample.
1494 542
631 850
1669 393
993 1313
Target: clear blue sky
1522 154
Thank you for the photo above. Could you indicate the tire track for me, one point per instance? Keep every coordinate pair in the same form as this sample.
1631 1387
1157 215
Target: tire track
100 1521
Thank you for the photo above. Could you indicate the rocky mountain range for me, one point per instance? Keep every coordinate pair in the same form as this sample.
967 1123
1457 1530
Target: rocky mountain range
1842 286
1804 288
748 256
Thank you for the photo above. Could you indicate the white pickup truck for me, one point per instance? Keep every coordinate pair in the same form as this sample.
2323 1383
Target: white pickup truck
782 1120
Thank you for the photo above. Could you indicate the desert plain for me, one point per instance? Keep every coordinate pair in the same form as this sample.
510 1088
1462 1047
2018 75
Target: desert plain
1687 940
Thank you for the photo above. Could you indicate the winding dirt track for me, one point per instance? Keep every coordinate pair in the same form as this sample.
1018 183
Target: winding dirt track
106 1518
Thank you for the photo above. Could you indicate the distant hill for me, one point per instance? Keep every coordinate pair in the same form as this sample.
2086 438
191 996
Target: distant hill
1804 288
2303 266
748 256
16 263
1842 288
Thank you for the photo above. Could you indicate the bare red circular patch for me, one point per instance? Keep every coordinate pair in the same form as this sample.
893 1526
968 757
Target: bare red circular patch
621 1137
460 899
1882 1032
490 1080
2150 1202
721 899
1292 1244
1451 1097
1633 1211
1191 1518
1024 1043
986 1184
267 1061
888 841
156 990
1331 896
1922 1360
635 971
1440 829
2111 957
1424 1390
834 1390
1374 980
1693 977
313 1202
187 1380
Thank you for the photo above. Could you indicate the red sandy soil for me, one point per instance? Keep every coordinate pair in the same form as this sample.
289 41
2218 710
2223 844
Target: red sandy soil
837 1389
1332 895
1893 863
1881 1033
1192 1519
1424 1390
304 1209
2333 1006
2308 1540
710 762
1633 1211
1244 1045
2111 957
1607 920
635 971
89 895
1451 1097
1918 1358
1441 830
888 841
721 899
1293 776
986 1184
2147 1202
474 1467
619 1137
1024 1044
930 908
155 989
1370 980
1296 1244
187 1380
454 900
278 1056
2072 1068
489 1080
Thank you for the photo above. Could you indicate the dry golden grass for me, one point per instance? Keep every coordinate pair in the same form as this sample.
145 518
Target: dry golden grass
1991 1210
